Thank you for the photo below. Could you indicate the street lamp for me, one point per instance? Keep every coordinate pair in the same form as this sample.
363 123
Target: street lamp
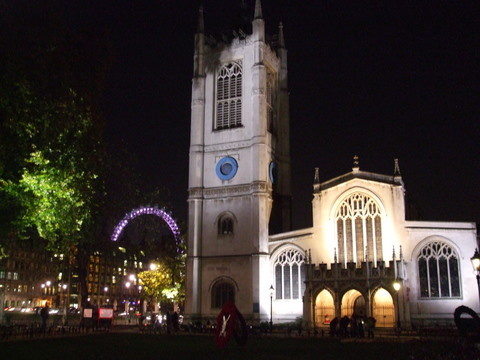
127 301
47 291
65 300
396 287
475 259
2 303
271 308
105 294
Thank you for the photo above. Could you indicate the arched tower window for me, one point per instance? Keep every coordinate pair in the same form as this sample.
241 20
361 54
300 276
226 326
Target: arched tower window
359 227
222 292
439 271
289 275
225 225
229 96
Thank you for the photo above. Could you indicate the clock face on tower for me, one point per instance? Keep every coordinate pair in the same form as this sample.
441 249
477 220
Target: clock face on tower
272 172
226 168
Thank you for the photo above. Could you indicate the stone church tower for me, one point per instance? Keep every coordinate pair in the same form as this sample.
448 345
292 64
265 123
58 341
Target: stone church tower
239 171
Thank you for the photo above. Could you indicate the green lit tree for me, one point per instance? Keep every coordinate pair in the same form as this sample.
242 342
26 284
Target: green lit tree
163 283
57 187
52 157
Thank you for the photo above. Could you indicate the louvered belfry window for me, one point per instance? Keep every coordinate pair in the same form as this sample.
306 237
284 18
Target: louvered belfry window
229 96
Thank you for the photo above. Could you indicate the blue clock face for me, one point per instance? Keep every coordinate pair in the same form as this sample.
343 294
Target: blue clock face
272 172
226 168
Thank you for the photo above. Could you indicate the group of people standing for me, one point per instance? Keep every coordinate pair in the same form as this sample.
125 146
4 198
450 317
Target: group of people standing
354 326
172 324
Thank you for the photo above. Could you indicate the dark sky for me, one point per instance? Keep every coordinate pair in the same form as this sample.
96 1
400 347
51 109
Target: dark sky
380 79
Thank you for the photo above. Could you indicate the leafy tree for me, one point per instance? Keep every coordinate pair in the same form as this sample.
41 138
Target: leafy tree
161 284
56 183
57 186
52 155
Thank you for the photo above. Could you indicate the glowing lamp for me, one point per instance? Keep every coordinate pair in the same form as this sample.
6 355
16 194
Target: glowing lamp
475 259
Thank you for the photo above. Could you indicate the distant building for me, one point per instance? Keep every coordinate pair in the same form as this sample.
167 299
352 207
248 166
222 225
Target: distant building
241 245
32 277
25 276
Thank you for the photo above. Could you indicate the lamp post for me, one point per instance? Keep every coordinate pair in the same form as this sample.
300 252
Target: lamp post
65 300
2 303
127 300
271 308
130 285
46 290
105 294
396 287
475 259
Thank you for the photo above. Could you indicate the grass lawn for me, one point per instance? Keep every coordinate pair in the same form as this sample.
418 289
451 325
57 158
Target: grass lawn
145 346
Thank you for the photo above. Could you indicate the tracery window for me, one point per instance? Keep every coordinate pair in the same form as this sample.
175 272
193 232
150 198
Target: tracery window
222 292
289 275
439 271
229 96
359 229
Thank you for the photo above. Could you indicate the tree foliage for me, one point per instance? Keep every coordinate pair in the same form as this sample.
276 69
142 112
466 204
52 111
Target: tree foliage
161 284
51 142
51 151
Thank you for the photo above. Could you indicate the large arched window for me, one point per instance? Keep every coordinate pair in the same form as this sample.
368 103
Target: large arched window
222 292
229 96
359 227
439 272
289 275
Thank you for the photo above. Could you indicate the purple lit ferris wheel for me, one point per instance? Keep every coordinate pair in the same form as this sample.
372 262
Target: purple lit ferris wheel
149 211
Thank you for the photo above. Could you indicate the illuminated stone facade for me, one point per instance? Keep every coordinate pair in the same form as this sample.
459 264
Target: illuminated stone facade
361 243
239 178
241 247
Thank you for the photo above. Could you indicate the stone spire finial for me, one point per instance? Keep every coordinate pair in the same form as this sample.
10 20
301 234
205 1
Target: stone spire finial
316 178
316 181
200 25
356 163
258 10
281 39
335 255
396 169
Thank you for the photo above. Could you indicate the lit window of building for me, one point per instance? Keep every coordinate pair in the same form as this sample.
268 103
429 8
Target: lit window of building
439 272
289 275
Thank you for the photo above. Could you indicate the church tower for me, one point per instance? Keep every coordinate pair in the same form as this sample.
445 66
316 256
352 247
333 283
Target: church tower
239 170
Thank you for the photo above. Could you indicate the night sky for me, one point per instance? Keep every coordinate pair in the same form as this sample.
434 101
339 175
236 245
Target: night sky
377 79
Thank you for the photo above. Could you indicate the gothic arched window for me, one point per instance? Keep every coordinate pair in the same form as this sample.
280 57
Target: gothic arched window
359 227
439 271
222 292
225 225
289 275
229 96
